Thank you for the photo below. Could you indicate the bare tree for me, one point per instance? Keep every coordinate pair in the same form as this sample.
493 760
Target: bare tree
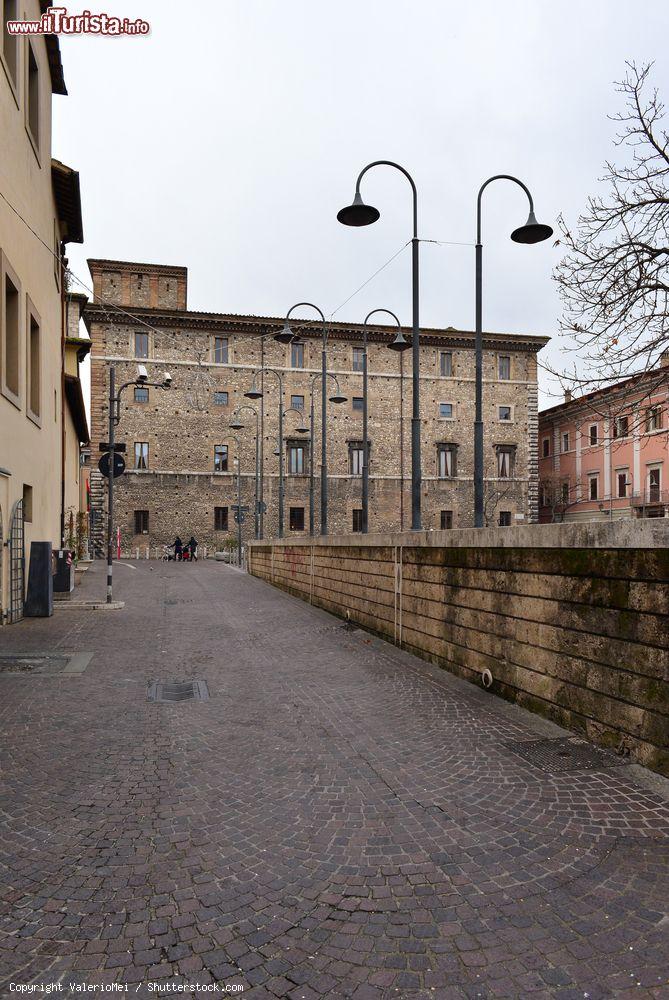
493 495
614 279
558 494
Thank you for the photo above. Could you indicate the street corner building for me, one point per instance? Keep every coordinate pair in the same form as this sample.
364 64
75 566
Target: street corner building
42 416
181 454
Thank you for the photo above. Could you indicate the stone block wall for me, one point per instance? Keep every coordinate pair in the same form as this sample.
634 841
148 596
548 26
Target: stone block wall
572 621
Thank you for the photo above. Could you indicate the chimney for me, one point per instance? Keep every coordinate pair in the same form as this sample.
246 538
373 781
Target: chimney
567 395
664 359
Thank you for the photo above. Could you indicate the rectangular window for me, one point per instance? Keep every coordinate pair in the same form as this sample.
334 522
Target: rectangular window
621 428
565 442
358 358
593 487
505 413
141 394
565 492
220 350
504 367
296 519
220 518
34 365
27 502
653 418
295 459
10 43
447 461
446 411
297 402
622 483
654 483
446 364
11 331
297 354
141 454
220 458
355 458
357 520
221 399
593 434
546 447
446 520
504 518
357 403
141 345
141 522
32 105
506 461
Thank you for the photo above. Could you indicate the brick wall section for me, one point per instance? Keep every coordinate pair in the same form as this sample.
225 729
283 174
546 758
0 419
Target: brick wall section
572 624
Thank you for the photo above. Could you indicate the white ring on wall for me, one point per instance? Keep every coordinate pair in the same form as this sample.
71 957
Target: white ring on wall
486 678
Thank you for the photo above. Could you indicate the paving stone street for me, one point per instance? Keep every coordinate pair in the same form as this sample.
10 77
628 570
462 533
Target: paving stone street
338 819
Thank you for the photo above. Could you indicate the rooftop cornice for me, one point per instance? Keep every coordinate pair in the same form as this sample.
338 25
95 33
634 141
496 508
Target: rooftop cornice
101 264
266 325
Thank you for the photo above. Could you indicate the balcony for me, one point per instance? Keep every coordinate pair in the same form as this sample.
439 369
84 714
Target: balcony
650 500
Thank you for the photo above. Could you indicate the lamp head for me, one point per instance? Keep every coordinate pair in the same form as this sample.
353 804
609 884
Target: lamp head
338 397
358 214
532 231
253 393
400 343
284 336
236 425
167 380
142 374
302 430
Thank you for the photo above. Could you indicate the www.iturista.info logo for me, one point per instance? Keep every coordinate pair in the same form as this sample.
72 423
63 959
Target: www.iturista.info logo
57 21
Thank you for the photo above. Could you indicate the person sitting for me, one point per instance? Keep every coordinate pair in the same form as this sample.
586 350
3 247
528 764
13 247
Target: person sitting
178 549
192 545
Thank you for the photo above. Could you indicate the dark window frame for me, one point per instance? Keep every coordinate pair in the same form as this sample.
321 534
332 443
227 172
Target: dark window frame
296 518
221 519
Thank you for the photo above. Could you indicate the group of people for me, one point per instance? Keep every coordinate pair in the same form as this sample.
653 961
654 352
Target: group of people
187 552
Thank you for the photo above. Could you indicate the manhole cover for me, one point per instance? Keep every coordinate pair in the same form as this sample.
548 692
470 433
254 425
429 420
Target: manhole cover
177 691
44 664
564 754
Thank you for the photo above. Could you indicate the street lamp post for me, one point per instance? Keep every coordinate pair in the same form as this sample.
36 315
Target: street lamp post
531 232
360 214
255 393
239 499
236 425
337 397
398 344
114 419
286 336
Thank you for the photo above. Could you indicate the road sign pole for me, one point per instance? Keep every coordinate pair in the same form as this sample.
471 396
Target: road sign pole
110 492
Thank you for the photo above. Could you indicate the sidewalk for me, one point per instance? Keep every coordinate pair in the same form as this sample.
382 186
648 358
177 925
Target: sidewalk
337 820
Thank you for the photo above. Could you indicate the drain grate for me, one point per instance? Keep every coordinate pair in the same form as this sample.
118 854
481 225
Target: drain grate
172 691
567 753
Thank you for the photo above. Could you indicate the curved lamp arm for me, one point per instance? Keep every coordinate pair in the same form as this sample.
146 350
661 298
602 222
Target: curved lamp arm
372 313
499 177
402 170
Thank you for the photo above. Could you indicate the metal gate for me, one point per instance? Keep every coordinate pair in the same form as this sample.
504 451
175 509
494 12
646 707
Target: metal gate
17 563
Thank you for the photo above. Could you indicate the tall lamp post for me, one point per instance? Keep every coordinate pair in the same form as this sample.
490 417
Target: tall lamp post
336 397
360 214
531 232
114 420
239 499
398 344
255 393
286 336
237 425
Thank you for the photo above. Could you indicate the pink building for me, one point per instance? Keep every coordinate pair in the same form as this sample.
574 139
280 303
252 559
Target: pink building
606 454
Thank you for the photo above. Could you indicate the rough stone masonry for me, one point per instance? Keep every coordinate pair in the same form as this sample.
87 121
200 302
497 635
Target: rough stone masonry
180 451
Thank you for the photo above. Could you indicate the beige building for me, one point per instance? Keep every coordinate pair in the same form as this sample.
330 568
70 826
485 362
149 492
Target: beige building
181 453
39 213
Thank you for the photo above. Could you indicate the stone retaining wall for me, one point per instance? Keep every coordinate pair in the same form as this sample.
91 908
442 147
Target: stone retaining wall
572 620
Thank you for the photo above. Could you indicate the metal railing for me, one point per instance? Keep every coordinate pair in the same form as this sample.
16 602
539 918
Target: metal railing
649 497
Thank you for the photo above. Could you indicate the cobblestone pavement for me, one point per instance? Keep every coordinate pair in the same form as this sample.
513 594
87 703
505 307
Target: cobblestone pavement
338 820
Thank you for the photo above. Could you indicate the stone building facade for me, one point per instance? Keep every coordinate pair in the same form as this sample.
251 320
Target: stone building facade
181 471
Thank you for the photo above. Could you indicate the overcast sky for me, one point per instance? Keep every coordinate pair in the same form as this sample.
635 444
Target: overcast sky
227 139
